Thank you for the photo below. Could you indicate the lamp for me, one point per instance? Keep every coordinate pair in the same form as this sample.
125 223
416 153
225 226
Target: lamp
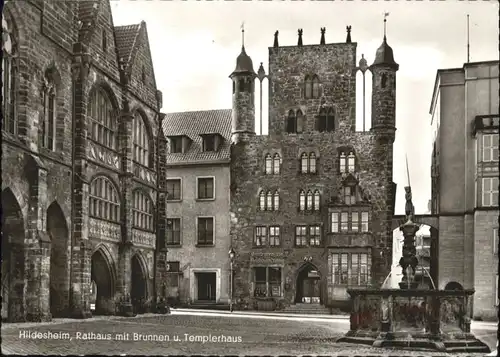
231 260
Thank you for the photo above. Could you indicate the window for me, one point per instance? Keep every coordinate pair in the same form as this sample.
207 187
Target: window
104 200
315 87
175 144
267 282
315 236
142 211
495 241
48 125
174 189
350 269
355 221
260 236
291 123
354 224
141 141
334 222
308 163
269 165
276 164
317 200
143 75
349 195
344 222
304 163
301 236
276 201
205 231
311 87
497 301
205 188
262 201
312 163
302 201
347 162
173 231
326 120
308 87
490 191
490 147
9 78
209 143
104 41
364 221
269 201
274 236
102 119
309 202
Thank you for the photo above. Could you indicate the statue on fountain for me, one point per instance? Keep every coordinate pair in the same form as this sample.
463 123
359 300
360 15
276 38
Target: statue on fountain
409 208
409 259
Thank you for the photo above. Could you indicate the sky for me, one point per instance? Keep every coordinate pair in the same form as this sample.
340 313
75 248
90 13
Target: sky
194 45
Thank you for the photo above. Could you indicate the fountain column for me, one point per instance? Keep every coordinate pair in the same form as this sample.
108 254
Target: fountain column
409 259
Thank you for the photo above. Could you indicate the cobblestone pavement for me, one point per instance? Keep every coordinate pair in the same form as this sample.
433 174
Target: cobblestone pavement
183 334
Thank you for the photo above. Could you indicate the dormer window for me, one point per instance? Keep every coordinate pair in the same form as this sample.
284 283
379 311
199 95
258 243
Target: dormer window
347 162
176 144
211 142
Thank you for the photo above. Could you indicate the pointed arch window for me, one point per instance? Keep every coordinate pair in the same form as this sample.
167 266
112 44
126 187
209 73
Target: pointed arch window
330 120
269 165
9 79
48 125
300 121
304 163
326 120
104 200
312 163
343 163
351 162
291 122
262 201
276 164
269 200
276 202
142 211
308 87
309 203
317 200
302 200
141 141
102 119
315 86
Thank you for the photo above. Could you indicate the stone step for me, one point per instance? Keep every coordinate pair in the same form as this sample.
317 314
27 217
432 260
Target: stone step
468 349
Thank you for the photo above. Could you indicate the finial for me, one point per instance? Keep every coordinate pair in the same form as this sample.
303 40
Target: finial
363 64
276 39
385 24
322 42
300 38
261 73
348 39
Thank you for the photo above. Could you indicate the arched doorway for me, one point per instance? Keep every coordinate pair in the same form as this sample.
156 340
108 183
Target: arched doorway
453 285
102 285
138 288
308 286
59 278
13 259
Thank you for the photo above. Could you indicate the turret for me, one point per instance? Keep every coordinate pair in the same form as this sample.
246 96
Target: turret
383 71
243 78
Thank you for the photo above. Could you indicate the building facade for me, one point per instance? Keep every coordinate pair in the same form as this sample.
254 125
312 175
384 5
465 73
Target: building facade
197 230
312 201
465 180
80 136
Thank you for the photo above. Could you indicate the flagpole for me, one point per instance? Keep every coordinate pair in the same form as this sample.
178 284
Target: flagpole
408 171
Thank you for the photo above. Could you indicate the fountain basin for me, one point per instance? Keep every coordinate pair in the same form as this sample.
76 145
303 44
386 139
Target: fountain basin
413 318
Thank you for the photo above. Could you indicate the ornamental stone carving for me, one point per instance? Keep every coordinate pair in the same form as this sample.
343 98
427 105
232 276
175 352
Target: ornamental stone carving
147 239
104 230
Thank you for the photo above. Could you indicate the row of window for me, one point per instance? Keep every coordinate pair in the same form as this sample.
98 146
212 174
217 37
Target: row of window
304 236
179 144
354 221
325 121
104 203
205 189
308 163
204 229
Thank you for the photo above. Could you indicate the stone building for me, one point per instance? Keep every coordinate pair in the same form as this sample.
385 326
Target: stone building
311 202
197 231
80 137
465 180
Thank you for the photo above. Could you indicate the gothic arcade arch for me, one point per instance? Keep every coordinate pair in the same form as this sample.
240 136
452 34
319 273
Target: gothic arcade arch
103 279
308 284
139 280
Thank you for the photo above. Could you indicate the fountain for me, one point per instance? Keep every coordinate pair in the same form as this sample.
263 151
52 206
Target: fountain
412 317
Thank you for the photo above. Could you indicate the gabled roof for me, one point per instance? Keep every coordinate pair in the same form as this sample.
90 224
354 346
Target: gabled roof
126 40
194 125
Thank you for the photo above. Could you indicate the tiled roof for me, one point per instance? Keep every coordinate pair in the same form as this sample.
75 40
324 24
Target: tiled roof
194 124
125 39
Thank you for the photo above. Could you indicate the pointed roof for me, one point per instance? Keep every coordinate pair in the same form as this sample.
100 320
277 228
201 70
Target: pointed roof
385 56
244 64
126 40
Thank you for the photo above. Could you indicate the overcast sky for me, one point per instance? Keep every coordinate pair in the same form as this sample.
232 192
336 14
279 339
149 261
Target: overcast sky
195 44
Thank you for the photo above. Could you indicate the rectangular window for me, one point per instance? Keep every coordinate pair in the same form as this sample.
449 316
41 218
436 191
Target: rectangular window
490 191
209 143
334 222
315 236
260 236
344 269
490 147
495 241
364 221
205 231
267 281
344 222
173 189
497 302
350 268
175 145
173 231
205 188
301 236
355 221
348 196
274 236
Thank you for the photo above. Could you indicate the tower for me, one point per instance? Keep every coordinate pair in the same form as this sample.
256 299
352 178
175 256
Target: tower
243 77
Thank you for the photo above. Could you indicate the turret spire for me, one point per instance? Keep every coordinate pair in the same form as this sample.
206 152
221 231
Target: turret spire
385 25
243 35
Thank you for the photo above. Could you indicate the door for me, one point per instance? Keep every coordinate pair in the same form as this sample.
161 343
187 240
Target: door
311 290
206 286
